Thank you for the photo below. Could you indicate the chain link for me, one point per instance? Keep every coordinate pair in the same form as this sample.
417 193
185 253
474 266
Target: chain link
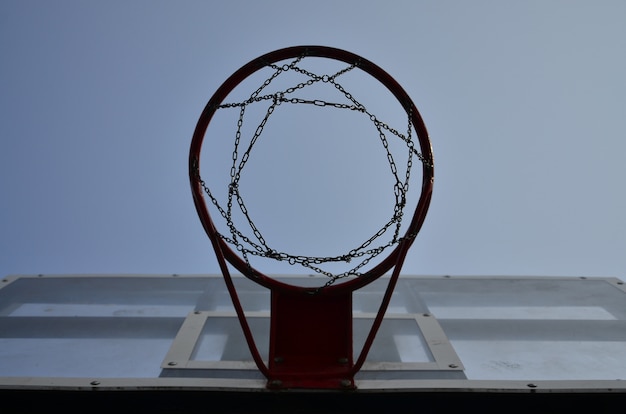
257 246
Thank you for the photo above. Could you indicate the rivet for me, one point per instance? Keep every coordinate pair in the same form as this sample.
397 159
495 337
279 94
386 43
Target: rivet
279 360
532 385
95 383
276 383
427 314
171 364
453 366
346 383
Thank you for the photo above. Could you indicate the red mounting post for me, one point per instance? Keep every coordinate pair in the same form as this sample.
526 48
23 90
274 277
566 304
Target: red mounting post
310 340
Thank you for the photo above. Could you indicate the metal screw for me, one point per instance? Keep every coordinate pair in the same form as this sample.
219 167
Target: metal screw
95 383
343 360
171 364
532 385
346 383
453 366
279 360
276 383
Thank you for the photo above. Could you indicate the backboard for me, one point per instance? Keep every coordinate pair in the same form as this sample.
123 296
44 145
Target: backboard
123 335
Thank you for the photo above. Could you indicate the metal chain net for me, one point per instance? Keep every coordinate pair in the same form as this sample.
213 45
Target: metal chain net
256 245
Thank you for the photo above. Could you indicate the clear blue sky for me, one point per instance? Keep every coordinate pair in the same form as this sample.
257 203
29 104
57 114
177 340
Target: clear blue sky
525 102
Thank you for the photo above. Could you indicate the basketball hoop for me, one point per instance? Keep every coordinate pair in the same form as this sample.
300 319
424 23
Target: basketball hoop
299 355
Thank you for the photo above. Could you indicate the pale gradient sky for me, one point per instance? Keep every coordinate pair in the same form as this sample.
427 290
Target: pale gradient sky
525 102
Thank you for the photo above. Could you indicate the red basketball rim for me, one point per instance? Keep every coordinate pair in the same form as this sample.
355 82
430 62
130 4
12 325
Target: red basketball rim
419 215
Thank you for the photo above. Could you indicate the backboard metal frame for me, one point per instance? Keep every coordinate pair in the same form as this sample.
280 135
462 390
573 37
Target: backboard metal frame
180 355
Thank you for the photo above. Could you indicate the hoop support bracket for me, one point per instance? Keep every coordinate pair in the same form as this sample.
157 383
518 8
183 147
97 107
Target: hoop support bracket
310 340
